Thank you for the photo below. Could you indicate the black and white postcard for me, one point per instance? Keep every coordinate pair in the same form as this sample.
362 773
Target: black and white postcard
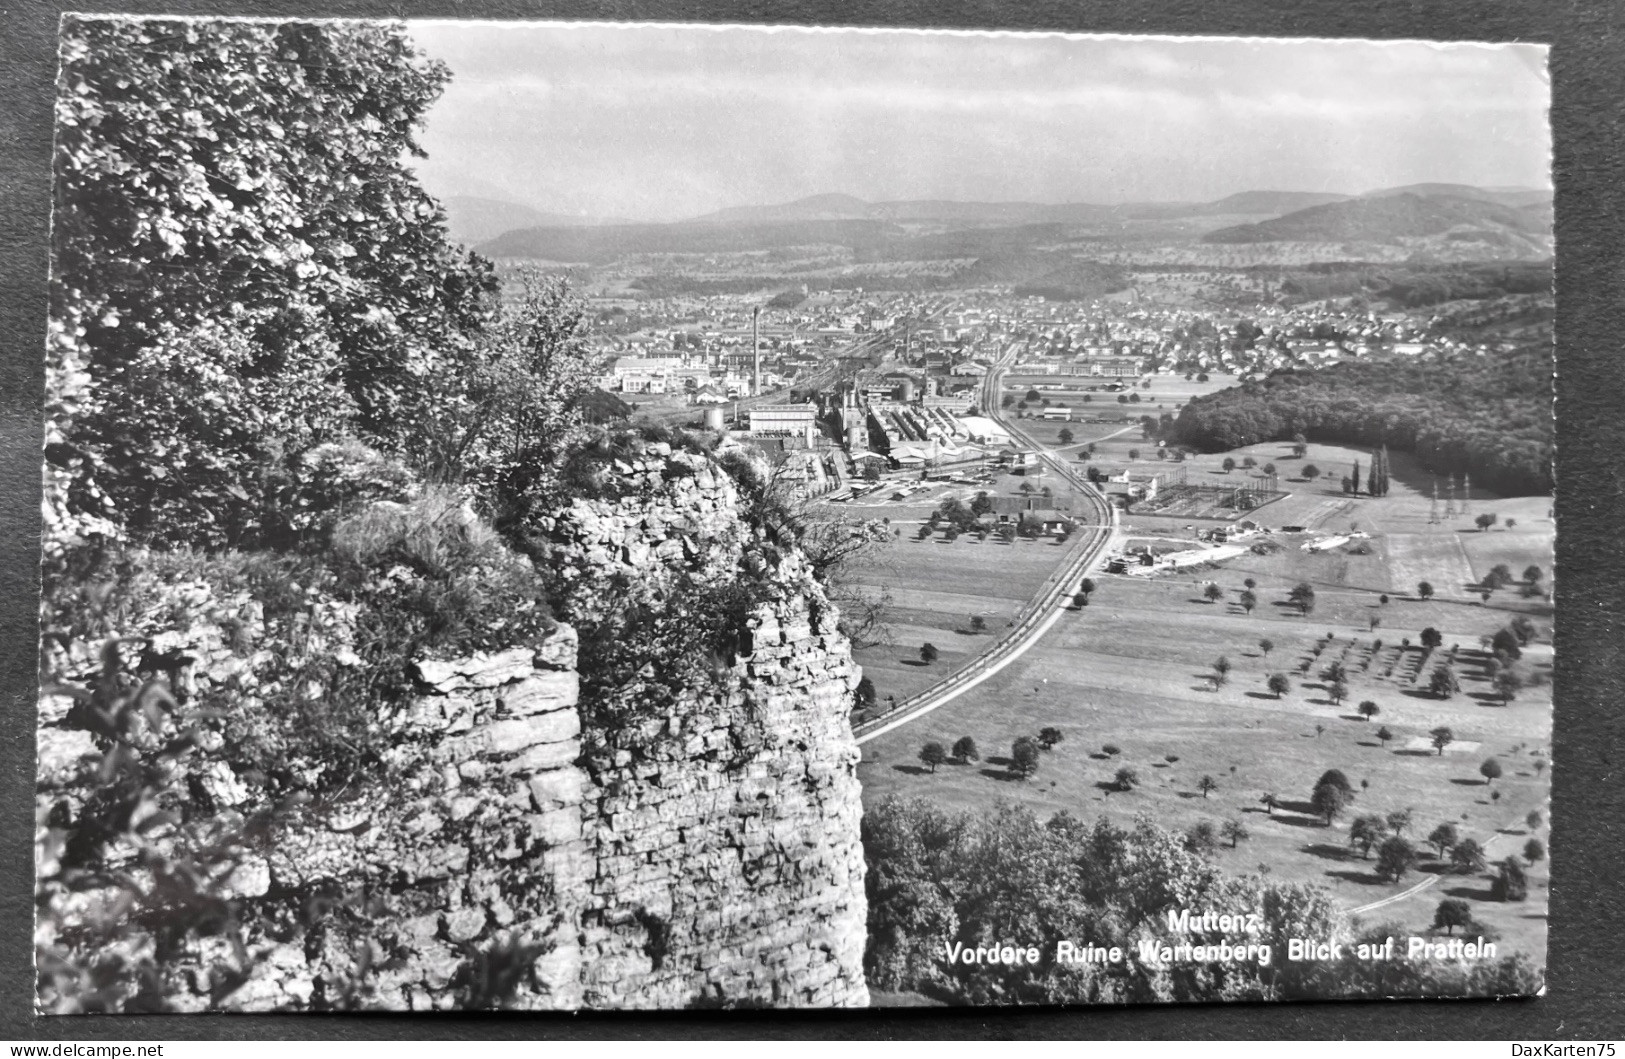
547 516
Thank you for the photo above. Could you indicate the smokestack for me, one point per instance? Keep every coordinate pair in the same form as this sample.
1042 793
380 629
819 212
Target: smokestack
756 346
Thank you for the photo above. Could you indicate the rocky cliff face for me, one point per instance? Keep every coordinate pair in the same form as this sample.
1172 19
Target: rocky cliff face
637 846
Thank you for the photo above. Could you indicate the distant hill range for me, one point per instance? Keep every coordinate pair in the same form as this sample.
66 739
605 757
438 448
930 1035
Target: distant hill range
1404 213
473 220
1508 222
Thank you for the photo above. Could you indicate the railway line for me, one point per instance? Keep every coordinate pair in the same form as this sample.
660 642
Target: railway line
1041 613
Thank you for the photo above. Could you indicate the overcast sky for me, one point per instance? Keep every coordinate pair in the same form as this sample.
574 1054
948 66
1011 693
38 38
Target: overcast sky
663 122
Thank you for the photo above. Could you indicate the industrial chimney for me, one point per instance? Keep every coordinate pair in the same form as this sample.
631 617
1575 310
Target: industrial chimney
756 347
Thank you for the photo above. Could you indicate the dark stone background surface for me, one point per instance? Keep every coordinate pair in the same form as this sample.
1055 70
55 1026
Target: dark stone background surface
1585 983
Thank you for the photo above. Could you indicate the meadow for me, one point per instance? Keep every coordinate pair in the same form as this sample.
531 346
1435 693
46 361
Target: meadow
1134 671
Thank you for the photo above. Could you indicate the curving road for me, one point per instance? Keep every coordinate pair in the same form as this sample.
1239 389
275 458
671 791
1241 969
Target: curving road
1046 607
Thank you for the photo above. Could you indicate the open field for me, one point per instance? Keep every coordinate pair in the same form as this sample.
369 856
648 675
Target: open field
1133 669
936 588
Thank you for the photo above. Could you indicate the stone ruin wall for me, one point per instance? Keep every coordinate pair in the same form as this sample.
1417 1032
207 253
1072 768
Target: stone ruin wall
729 865
720 865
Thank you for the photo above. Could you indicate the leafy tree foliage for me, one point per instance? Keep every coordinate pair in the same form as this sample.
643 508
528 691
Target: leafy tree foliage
1394 858
1444 838
1366 831
929 653
965 749
1278 684
1511 882
1328 802
1453 912
233 196
933 754
1024 756
1441 737
1490 770
1534 850
1443 683
1467 856
1049 737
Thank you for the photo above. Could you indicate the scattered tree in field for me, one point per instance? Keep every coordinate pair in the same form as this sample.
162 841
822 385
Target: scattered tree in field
1278 684
1126 779
1467 857
1065 435
1452 912
1221 665
1523 629
1266 645
1431 637
1311 472
1270 802
1540 766
1212 592
1236 832
1228 465
1383 599
1207 785
965 749
1048 737
1300 445
1533 820
933 754
1532 574
1368 709
1203 839
1507 684
1303 594
1384 735
1441 738
1024 755
1133 454
1329 802
1442 683
1399 820
1365 832
1320 730
1248 601
977 623
1444 838
1111 750
1511 882
1424 589
1338 691
1394 858
1534 850
1172 759
1490 770
1484 522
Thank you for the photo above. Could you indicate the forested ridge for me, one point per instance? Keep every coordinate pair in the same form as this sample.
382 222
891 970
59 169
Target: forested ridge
1489 416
